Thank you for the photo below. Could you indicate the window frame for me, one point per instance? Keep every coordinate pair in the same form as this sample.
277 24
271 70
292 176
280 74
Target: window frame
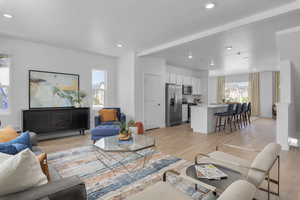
96 107
236 82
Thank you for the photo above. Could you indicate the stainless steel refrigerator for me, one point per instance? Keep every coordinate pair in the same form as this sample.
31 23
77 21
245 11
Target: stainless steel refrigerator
173 104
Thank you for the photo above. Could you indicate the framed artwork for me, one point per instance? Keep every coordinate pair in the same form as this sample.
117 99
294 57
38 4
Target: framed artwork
52 89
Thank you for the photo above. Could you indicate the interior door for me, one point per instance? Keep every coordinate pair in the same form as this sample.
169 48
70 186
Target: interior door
153 111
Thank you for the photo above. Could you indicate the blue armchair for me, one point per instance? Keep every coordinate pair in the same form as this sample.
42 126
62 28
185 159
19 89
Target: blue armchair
121 118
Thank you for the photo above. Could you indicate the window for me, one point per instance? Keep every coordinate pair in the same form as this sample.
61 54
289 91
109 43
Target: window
4 83
99 88
236 92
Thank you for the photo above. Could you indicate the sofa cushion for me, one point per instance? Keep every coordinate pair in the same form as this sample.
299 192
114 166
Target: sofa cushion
20 172
263 161
7 134
3 157
160 190
239 190
227 160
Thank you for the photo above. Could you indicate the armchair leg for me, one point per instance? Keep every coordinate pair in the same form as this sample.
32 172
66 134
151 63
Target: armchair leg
270 180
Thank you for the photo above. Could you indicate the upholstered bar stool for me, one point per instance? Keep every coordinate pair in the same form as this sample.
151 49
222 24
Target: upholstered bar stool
224 118
243 114
248 113
236 116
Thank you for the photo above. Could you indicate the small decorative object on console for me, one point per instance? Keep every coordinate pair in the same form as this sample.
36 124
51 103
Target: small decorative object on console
125 133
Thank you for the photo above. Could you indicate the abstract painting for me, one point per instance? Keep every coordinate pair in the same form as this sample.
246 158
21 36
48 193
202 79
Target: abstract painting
52 89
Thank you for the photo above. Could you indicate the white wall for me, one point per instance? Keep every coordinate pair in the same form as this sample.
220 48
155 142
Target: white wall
266 94
212 89
288 43
36 56
126 84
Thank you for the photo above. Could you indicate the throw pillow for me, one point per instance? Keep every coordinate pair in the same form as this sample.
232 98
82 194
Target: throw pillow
7 134
20 172
8 149
108 115
24 138
44 164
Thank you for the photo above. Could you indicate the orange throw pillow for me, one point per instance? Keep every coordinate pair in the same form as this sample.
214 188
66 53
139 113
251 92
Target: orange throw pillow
7 134
44 164
108 115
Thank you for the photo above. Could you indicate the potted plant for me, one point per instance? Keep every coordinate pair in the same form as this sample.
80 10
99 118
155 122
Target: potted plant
80 97
125 133
132 127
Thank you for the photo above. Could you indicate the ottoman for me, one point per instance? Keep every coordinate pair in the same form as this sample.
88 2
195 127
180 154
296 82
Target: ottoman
104 131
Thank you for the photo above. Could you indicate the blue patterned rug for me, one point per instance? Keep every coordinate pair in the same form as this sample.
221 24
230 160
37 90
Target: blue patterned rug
108 179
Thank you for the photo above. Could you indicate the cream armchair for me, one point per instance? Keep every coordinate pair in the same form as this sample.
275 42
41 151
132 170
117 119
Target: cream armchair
254 172
239 190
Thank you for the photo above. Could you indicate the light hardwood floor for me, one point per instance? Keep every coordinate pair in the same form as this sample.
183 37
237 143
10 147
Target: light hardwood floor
180 141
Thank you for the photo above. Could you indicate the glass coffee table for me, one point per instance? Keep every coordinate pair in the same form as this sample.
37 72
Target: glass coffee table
111 150
137 143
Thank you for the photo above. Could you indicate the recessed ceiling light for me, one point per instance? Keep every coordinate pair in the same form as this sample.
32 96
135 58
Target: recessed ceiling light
190 57
229 48
210 5
120 45
8 16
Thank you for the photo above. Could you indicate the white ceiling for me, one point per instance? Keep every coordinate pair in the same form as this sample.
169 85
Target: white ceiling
97 25
256 41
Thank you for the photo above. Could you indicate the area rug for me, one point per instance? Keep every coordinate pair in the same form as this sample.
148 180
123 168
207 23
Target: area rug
109 179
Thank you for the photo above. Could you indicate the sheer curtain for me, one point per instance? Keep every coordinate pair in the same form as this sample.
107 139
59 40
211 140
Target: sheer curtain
221 89
254 92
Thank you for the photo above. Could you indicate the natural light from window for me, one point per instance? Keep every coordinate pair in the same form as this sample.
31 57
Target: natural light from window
99 88
237 92
4 83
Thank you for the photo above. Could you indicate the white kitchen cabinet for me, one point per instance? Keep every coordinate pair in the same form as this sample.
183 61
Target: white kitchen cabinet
172 78
184 112
179 79
196 83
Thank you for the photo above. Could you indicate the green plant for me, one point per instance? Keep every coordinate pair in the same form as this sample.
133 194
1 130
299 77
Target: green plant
123 127
80 96
131 123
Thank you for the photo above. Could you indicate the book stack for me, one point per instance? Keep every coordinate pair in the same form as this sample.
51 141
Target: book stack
209 171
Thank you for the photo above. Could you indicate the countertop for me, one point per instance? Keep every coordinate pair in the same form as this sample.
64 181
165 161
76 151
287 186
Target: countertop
211 105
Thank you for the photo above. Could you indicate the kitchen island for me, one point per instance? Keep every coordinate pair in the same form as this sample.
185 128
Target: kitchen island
203 119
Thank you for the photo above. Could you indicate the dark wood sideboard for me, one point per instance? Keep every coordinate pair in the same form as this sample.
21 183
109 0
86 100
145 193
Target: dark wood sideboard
56 119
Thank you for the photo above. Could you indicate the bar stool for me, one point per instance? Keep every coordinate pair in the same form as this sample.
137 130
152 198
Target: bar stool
244 114
249 112
226 117
236 116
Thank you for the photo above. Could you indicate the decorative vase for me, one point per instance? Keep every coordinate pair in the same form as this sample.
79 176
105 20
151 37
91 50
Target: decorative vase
77 105
133 130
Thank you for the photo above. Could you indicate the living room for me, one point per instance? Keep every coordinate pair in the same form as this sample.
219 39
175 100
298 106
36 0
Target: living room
96 104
